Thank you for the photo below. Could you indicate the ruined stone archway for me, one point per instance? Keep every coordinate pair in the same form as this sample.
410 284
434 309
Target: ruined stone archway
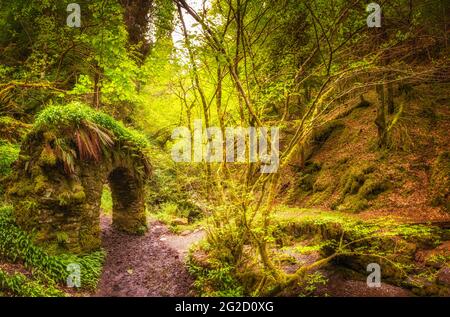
128 197
64 163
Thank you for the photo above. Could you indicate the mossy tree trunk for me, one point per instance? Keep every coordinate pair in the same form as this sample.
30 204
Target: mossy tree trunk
380 119
390 98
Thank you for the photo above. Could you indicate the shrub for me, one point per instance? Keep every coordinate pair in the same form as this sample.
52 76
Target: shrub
9 153
20 285
219 280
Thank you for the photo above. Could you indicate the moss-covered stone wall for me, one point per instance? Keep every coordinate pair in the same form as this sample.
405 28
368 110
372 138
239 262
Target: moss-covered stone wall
60 206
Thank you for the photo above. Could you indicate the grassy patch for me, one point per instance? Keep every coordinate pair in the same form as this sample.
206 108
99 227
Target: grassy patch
331 225
106 203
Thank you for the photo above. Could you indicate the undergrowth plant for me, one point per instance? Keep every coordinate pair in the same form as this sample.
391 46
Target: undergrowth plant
337 237
16 245
20 285
219 281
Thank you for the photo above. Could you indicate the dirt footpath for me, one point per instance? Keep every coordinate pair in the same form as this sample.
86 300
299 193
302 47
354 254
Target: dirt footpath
149 265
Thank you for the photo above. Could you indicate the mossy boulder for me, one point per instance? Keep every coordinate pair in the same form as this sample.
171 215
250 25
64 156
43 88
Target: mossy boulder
359 185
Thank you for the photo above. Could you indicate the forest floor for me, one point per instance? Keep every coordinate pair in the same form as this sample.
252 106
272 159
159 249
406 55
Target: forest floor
149 265
153 265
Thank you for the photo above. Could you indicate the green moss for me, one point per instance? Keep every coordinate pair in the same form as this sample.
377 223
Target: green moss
355 177
9 153
21 188
306 182
372 187
30 204
27 212
359 184
323 181
62 238
79 196
322 134
47 157
353 183
41 236
64 199
12 129
353 203
68 198
331 225
319 197
308 249
40 184
55 118
77 132
89 239
391 244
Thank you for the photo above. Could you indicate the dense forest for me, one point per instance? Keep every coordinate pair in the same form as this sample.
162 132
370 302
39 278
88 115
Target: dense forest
224 148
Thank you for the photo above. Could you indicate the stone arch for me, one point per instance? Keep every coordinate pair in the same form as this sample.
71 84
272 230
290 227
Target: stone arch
128 197
57 185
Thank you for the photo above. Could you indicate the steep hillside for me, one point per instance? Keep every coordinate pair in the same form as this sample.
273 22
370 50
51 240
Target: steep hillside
345 170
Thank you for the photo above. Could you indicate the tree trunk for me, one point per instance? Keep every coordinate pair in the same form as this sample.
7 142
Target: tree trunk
97 88
302 156
390 98
196 82
380 120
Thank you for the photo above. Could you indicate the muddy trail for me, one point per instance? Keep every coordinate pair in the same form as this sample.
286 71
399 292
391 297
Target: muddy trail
149 265
153 265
